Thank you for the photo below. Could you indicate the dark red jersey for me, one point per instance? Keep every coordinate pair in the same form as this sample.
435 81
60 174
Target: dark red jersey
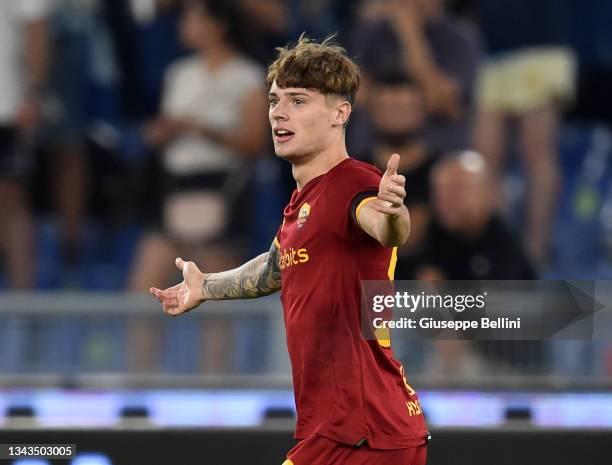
346 388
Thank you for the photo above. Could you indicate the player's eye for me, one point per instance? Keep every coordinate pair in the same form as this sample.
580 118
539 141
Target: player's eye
298 101
273 102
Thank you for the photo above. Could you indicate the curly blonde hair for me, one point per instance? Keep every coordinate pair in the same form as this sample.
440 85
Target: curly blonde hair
323 66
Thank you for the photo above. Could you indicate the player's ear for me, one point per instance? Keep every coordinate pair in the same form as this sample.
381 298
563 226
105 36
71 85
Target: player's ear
343 112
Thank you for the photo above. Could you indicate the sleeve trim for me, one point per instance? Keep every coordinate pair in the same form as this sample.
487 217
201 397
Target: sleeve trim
359 200
362 204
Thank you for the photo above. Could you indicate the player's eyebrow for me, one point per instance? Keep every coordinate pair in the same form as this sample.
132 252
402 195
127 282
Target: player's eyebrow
291 94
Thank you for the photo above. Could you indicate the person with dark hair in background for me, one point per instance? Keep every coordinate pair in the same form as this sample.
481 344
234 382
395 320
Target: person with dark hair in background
322 17
468 240
269 27
440 51
396 107
210 124
81 62
466 232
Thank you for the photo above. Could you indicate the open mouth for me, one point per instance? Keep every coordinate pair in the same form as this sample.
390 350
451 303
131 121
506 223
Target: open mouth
282 135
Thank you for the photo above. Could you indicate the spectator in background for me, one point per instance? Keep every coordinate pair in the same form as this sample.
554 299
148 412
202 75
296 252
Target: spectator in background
441 52
23 70
529 75
397 109
72 29
268 27
465 236
145 41
467 240
321 18
211 123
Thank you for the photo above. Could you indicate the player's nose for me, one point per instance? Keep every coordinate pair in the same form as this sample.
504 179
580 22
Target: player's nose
278 113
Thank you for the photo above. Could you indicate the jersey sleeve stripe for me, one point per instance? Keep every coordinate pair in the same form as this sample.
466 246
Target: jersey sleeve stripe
392 263
361 204
276 243
383 335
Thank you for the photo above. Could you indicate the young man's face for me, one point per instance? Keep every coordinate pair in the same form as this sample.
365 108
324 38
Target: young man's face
198 28
460 197
303 120
397 109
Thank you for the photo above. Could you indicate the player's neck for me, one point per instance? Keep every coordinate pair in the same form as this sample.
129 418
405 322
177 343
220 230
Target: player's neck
309 167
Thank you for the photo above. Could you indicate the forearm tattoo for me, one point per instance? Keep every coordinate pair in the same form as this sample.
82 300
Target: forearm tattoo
256 278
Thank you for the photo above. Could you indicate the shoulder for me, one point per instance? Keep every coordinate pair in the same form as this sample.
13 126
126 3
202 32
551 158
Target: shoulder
359 169
247 71
248 66
240 78
352 177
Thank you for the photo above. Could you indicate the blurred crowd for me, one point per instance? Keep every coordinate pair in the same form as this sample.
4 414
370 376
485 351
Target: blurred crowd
134 132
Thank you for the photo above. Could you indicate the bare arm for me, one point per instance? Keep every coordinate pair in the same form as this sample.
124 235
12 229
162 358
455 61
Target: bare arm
256 278
36 60
391 230
409 28
37 54
442 92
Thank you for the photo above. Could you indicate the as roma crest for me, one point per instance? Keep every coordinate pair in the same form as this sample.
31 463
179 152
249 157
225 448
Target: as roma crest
303 215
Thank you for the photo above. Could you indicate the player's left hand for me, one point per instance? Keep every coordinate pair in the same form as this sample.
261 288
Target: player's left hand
391 192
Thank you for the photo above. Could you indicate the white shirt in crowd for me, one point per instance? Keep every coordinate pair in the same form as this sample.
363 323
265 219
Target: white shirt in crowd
216 101
14 17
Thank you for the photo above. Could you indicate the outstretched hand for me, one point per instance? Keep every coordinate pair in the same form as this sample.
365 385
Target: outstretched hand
391 191
184 296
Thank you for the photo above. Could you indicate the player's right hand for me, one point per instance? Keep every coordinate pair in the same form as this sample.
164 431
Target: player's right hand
184 296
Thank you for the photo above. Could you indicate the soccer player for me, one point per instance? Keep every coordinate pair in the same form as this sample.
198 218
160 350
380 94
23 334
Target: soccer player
342 225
